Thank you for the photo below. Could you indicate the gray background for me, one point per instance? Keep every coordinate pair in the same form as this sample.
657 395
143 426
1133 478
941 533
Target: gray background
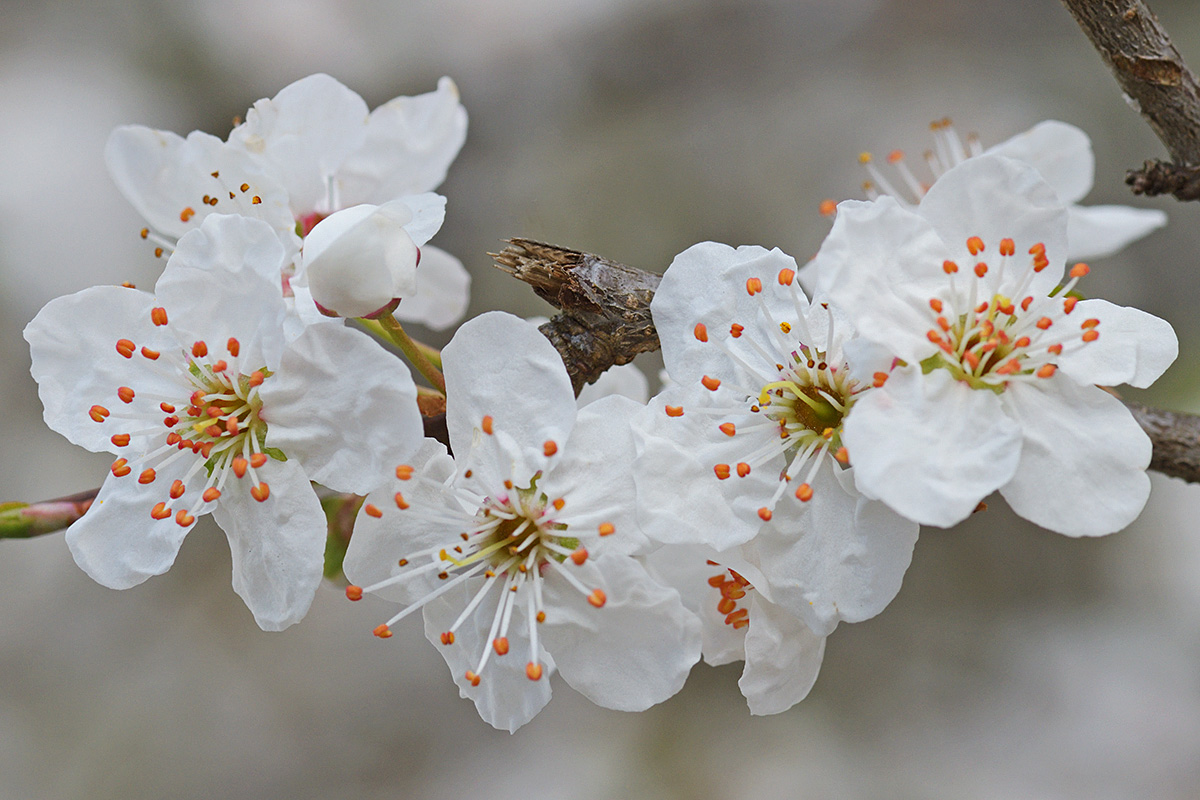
1014 663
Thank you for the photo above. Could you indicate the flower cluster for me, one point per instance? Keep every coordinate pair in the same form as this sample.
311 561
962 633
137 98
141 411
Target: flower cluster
773 490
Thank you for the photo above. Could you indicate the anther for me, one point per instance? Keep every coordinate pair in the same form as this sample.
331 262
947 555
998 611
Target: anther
597 598
533 671
160 511
183 518
400 501
549 447
974 245
728 428
447 638
231 425
1069 304
1046 370
579 556
981 269
1007 247
764 514
1091 335
177 489
245 187
842 455
255 200
486 424
372 511
171 421
158 316
500 645
558 504
144 233
701 332
126 347
404 472
220 366
712 384
1089 323
743 469
384 632
1038 249
541 616
150 354
256 378
354 593
210 494
804 493
735 330
607 529
864 158
827 208
158 251
199 349
753 286
1028 301
120 468
258 459
260 492
722 471
936 305
674 411
949 267
1024 341
187 214
120 439
1056 349
880 379
98 413
786 327
1079 270
786 276
239 466
1044 322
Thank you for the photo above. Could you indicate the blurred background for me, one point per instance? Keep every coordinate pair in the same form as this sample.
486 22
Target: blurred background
1014 663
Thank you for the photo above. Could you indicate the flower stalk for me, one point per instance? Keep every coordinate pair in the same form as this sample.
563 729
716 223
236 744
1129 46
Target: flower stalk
416 354
26 520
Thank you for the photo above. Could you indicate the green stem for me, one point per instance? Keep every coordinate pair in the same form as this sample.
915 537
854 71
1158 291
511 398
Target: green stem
374 327
397 336
25 520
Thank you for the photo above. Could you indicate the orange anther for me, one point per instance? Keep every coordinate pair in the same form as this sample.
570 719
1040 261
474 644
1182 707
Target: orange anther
725 605
372 511
1079 270
183 518
400 501
674 411
158 251
728 428
936 305
743 469
753 286
1038 249
158 316
486 424
549 447
126 347
735 330
1007 247
579 556
233 346
231 425
171 421
255 200
716 581
1091 336
173 438
1009 367
144 233
598 598
804 493
160 511
786 276
880 379
260 492
98 413
971 359
404 472
1046 370
934 336
737 616
827 208
245 187
1069 304
533 671
354 593
764 514
199 349
949 267
220 366
177 489
607 529
120 468
1022 342
258 459
701 332
943 323
239 466
210 494
895 156
558 504
213 431
150 354
842 455
712 384
384 632
1040 263
447 638
974 245
722 471
981 269
500 645
1055 348
1044 322
187 214
864 158
256 378
120 439
1026 303
1090 323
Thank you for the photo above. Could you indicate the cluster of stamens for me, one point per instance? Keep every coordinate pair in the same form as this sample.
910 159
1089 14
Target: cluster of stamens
513 539
219 423
948 151
990 341
732 588
240 193
801 395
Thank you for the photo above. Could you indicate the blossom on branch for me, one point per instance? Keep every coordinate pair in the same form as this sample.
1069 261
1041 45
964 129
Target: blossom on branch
211 409
997 363
520 550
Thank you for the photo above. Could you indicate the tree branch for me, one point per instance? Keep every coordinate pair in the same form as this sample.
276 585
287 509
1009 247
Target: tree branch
1148 68
1162 177
557 273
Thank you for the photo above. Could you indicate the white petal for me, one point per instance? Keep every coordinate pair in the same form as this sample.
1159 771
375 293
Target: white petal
500 366
880 264
505 697
593 476
343 407
224 281
302 135
278 545
1134 347
428 213
358 260
686 569
410 143
1096 231
625 380
1062 154
1083 459
994 198
117 543
380 542
783 658
837 557
929 446
633 652
72 344
442 294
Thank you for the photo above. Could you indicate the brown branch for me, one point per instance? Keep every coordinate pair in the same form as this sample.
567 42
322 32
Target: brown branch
606 305
1148 68
556 273
1162 177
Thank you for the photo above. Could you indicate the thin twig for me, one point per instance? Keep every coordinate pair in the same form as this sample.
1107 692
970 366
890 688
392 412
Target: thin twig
1162 177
